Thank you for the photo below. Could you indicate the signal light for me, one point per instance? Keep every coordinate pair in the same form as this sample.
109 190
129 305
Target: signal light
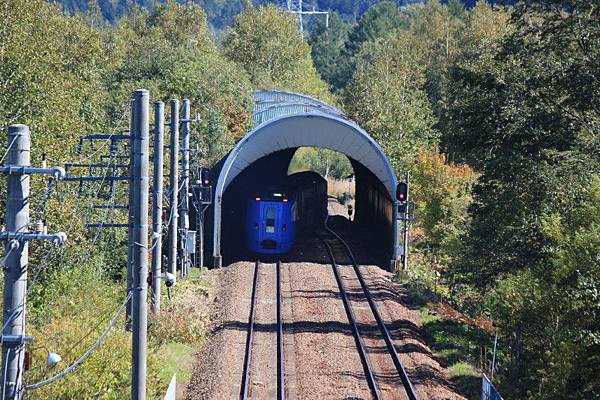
205 176
402 191
285 200
258 199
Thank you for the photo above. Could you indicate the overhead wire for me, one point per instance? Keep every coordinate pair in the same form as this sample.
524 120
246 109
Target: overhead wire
87 205
8 149
46 260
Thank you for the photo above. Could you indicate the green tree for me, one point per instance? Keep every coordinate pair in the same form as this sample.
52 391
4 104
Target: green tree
443 192
380 20
527 118
387 99
171 52
327 49
328 163
266 43
48 75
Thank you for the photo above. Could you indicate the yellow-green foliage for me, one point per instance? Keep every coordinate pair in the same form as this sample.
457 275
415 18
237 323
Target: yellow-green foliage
49 76
443 191
82 307
184 317
266 42
171 52
386 97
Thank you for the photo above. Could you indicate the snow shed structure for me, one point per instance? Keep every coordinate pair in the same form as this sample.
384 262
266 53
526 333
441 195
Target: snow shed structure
284 122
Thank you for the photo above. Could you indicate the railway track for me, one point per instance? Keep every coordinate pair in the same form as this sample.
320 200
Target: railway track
246 387
267 380
330 243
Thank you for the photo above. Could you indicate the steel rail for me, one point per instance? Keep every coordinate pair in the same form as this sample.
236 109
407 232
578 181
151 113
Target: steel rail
351 318
248 355
408 387
280 358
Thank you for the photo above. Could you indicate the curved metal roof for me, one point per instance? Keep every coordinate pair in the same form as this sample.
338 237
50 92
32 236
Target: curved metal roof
287 120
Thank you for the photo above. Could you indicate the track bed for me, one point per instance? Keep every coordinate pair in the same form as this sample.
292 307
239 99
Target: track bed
321 360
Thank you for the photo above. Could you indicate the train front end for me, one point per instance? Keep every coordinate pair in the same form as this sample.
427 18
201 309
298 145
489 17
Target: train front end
270 225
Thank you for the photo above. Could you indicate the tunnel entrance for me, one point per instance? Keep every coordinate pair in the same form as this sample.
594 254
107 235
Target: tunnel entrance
288 122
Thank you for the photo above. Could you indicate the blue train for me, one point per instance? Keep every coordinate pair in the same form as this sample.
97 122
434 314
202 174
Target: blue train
270 225
274 217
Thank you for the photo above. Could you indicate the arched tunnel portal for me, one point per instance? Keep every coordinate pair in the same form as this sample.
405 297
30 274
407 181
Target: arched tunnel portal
285 122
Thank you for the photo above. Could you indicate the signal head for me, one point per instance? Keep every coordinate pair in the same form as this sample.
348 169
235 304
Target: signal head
205 176
402 191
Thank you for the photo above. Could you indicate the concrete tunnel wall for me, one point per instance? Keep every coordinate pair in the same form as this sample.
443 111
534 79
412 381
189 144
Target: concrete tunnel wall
269 148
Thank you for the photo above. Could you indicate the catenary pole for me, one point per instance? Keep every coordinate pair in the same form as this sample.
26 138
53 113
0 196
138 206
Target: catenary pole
157 204
15 276
130 219
140 152
184 223
174 182
17 238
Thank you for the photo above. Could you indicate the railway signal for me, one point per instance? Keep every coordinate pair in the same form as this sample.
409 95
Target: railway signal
203 199
402 191
205 176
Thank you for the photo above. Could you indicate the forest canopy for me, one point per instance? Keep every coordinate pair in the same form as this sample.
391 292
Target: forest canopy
493 110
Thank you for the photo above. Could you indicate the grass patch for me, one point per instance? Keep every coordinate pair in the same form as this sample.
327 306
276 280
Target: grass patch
463 369
180 329
456 344
176 358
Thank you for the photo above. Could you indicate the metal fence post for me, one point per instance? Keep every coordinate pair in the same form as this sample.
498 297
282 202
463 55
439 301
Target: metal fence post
140 150
184 223
406 225
157 203
174 182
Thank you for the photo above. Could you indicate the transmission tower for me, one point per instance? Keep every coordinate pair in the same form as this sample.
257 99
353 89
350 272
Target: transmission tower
297 8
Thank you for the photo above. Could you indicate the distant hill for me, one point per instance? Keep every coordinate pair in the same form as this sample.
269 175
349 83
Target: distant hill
222 12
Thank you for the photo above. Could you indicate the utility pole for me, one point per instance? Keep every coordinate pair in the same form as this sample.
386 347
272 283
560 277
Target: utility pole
130 220
157 203
174 181
184 223
17 237
406 222
140 155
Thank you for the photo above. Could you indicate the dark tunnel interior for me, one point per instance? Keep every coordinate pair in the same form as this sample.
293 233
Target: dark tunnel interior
372 225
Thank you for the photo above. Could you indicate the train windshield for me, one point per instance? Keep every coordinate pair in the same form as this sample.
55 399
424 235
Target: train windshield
270 217
273 197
